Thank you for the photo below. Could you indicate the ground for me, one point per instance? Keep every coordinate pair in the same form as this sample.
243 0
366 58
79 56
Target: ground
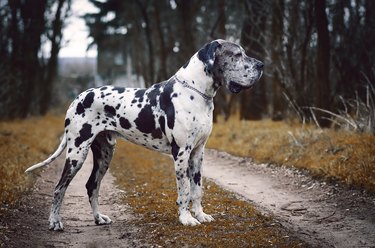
323 214
295 209
27 226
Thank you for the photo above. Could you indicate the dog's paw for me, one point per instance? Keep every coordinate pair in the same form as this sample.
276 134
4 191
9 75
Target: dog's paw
56 225
101 219
188 220
202 217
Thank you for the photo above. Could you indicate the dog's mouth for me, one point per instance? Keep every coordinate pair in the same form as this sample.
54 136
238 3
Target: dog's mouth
237 88
234 87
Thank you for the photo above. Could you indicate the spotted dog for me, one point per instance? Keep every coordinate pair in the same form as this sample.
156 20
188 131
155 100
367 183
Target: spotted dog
173 117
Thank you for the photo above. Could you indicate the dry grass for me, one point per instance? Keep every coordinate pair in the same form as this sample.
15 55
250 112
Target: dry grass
333 154
149 180
23 143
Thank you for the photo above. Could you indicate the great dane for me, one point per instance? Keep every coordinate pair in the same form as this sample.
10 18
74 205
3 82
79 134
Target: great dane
173 117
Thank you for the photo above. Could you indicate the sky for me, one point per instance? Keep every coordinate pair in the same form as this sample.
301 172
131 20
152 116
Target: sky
76 32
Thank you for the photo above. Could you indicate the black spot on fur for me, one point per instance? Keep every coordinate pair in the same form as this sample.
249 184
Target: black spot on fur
124 123
89 99
145 121
109 111
162 123
103 88
65 172
80 109
175 149
74 163
197 178
119 89
166 104
87 102
67 122
153 94
157 134
139 93
84 134
92 184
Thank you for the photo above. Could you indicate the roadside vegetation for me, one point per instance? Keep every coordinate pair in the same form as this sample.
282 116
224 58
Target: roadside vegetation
332 154
23 143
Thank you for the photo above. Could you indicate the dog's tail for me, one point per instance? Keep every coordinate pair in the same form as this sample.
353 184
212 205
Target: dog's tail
57 153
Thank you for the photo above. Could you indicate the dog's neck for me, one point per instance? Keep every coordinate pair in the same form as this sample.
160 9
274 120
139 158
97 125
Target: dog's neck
202 82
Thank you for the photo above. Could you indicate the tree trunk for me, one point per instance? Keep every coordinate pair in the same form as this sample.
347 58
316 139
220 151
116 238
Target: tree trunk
322 89
148 35
186 10
301 84
254 102
51 69
163 74
277 27
33 21
220 101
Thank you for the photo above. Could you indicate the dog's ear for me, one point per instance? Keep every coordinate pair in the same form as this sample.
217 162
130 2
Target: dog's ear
207 55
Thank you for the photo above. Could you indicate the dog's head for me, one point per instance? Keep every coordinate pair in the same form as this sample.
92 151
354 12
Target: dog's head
228 65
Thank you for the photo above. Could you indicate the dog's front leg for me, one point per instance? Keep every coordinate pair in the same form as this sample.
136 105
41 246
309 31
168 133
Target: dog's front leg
183 188
196 184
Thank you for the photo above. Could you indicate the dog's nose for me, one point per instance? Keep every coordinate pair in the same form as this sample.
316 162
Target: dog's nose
259 65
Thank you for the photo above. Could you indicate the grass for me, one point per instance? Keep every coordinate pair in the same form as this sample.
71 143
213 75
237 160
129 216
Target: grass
23 143
348 157
149 181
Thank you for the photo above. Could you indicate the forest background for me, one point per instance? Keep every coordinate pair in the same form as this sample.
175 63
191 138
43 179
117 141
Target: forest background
319 55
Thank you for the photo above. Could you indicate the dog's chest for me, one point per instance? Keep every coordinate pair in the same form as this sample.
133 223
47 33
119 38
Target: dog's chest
193 118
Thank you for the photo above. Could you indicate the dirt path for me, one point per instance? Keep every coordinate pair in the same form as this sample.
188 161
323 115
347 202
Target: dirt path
80 230
321 214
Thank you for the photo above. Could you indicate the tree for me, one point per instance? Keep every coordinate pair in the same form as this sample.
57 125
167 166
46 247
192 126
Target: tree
312 50
254 103
26 75
277 27
322 89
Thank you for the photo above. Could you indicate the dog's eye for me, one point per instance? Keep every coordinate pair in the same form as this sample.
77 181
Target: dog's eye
238 55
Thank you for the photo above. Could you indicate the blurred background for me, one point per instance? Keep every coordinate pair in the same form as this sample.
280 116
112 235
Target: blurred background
319 60
319 55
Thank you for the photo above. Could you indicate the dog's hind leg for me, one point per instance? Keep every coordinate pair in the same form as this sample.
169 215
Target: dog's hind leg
102 149
73 163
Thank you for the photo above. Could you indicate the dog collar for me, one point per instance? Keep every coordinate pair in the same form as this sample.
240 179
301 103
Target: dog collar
186 85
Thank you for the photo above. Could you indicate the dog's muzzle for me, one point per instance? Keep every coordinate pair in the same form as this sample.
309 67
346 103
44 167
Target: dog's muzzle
235 87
